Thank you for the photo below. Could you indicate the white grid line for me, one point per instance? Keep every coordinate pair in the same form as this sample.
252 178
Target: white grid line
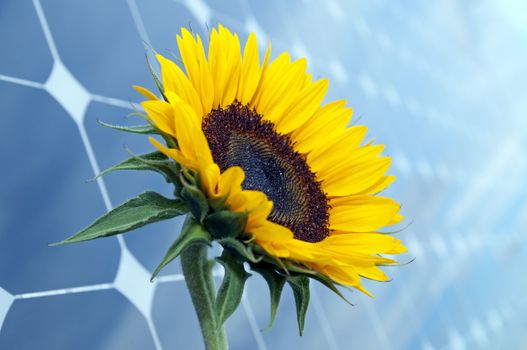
139 24
115 102
153 332
22 82
63 291
91 288
45 28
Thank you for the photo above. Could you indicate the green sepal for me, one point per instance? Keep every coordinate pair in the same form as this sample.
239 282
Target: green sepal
137 113
144 209
189 177
196 202
155 161
300 286
399 230
326 281
191 233
231 290
271 259
276 282
243 250
226 223
158 83
218 204
163 165
148 129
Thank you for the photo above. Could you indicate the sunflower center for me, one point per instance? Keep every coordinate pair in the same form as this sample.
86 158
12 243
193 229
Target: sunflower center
238 136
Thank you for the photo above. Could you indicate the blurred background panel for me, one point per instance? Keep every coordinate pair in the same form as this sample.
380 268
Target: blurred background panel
441 83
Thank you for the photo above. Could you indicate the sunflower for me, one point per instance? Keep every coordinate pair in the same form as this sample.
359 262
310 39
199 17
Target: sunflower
261 142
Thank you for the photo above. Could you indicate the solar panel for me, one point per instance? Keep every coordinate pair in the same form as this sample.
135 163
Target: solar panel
438 83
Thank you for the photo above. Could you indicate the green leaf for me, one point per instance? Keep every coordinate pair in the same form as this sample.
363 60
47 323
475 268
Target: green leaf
240 248
276 282
231 289
144 209
300 286
192 233
226 223
136 129
196 202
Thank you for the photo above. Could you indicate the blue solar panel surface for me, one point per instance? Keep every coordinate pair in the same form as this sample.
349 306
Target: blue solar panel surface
440 83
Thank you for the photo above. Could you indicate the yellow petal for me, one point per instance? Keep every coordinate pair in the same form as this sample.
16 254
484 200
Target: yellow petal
396 219
193 56
190 137
302 107
175 154
274 235
231 181
307 252
356 180
346 257
255 203
224 63
283 90
145 92
250 73
379 186
209 176
161 114
345 143
281 84
346 162
365 243
258 216
361 213
372 272
269 73
274 249
328 123
174 80
344 275
247 200
257 93
233 72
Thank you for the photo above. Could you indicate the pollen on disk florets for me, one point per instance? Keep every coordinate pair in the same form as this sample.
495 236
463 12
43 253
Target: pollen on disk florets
238 136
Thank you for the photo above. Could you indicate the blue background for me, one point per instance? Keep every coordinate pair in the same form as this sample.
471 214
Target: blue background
441 83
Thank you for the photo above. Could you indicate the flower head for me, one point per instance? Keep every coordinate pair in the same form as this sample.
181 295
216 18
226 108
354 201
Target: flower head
257 135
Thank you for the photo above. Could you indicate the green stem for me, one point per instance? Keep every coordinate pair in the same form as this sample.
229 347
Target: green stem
197 270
